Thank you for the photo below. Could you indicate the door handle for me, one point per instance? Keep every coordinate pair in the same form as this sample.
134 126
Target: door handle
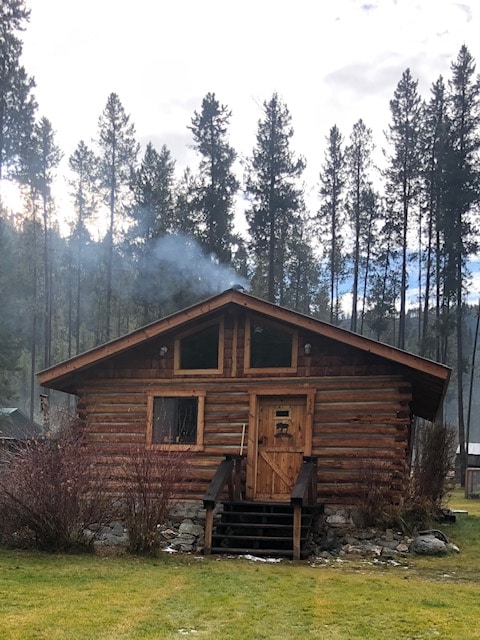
262 440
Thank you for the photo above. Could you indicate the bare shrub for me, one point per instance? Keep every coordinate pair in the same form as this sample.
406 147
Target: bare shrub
148 480
49 491
435 459
378 494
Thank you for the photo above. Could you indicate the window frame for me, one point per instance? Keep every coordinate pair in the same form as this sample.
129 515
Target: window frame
189 332
176 392
248 345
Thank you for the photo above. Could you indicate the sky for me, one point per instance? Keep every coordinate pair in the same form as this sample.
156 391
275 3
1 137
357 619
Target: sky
331 61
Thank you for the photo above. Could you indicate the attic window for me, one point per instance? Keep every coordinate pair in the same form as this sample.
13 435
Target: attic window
270 346
200 350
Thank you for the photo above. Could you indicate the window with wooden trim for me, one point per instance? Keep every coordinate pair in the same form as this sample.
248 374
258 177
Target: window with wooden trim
175 419
200 350
270 347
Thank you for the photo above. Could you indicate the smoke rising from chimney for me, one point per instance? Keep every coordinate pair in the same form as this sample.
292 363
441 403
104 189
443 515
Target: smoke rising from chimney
182 266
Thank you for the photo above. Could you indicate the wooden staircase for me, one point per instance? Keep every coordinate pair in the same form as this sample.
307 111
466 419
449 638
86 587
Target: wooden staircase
261 529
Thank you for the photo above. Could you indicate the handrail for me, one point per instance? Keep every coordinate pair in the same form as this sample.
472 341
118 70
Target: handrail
218 482
228 471
305 487
306 483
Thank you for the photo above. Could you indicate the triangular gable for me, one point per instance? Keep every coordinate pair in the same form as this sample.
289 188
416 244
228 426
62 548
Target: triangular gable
429 379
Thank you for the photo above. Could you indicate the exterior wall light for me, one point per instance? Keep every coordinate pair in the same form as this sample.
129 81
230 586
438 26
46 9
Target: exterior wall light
307 348
163 350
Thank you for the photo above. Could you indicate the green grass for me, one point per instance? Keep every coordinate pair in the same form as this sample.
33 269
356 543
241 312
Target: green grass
122 598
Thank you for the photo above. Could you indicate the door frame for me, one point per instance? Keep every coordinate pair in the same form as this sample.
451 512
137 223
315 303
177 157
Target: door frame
252 442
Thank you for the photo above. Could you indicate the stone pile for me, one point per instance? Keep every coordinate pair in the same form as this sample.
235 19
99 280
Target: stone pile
337 535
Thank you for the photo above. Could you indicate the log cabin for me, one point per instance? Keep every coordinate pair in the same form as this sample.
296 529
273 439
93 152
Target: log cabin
271 408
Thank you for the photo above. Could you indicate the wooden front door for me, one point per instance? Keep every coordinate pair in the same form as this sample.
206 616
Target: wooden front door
281 427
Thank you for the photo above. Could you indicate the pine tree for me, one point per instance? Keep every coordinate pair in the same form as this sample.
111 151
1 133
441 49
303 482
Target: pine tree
434 141
49 156
84 190
358 161
153 210
216 185
10 329
118 154
17 104
403 174
301 271
372 213
276 199
153 213
332 215
463 194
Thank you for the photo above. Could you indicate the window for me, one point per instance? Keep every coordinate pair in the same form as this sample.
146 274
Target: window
175 419
270 346
200 350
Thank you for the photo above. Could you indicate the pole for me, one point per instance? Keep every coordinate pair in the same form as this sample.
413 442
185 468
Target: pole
243 440
472 375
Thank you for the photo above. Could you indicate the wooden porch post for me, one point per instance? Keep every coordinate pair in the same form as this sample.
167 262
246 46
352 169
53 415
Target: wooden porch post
208 530
297 530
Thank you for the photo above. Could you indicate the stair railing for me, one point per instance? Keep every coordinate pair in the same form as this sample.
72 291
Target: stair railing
304 492
228 472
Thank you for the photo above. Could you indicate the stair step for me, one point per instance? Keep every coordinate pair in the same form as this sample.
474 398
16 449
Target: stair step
258 525
258 528
235 536
272 553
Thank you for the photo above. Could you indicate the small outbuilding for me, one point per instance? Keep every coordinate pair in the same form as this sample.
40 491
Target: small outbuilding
280 407
16 427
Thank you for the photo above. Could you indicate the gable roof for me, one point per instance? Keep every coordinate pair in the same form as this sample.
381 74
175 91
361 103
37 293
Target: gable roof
429 379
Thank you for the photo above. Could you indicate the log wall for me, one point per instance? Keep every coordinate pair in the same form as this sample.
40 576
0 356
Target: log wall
361 421
361 427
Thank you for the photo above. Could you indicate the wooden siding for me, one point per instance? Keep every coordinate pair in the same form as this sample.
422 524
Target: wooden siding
361 424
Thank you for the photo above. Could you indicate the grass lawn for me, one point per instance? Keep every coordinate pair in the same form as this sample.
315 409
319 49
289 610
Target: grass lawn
122 598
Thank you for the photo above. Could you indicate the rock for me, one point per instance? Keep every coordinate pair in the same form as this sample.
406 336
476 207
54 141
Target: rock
428 545
388 553
337 520
402 547
352 550
188 527
452 548
366 535
373 549
390 544
184 540
117 528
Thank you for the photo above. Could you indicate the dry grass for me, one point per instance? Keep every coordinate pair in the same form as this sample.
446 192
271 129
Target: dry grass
124 598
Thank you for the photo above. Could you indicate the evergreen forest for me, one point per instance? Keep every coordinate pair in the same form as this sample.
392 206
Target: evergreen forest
386 252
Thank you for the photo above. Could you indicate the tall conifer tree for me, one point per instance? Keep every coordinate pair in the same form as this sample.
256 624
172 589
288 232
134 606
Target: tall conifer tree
17 104
463 194
216 184
332 215
403 175
358 161
118 153
84 190
276 198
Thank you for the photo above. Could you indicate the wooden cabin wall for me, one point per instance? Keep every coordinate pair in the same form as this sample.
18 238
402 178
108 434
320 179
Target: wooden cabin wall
361 427
361 422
